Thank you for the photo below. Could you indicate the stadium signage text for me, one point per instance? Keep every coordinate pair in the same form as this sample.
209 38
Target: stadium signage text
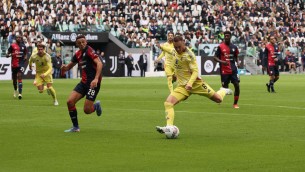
72 37
5 69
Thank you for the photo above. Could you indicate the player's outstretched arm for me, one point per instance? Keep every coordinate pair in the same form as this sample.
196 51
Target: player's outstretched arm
67 67
160 56
166 48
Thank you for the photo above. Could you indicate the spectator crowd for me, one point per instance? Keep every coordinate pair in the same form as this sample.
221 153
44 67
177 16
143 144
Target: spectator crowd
141 23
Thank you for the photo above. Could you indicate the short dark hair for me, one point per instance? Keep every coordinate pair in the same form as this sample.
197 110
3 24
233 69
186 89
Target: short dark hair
178 38
179 34
270 37
80 37
227 33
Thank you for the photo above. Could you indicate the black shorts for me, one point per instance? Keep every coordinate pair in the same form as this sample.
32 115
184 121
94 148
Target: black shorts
227 78
273 70
85 89
16 70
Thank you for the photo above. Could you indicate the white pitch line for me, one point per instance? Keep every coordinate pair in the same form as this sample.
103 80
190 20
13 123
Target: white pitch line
215 113
177 111
257 105
287 107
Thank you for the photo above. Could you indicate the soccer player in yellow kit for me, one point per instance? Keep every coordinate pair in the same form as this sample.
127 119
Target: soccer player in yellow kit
168 65
189 82
43 75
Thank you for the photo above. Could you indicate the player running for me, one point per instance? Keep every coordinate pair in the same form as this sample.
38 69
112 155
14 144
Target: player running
18 52
90 83
43 75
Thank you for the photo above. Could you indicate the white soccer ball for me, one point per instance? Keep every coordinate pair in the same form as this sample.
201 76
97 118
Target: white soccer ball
171 132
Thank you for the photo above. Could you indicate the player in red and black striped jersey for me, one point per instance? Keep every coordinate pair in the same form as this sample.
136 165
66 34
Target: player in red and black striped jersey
18 52
272 51
227 56
89 85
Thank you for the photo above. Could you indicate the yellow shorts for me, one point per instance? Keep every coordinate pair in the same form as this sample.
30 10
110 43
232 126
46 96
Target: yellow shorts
40 81
199 87
169 71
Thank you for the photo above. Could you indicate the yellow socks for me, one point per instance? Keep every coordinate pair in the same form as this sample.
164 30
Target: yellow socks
52 92
170 113
222 93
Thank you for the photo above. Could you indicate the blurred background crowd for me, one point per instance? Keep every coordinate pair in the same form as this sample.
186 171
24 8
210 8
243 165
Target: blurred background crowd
142 23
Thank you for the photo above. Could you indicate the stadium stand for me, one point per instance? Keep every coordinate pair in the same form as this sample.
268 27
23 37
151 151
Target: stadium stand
139 23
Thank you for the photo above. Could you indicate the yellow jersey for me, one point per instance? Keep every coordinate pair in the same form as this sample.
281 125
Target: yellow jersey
186 68
43 64
166 52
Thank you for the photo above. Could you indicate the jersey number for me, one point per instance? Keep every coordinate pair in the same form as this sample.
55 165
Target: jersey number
91 92
204 86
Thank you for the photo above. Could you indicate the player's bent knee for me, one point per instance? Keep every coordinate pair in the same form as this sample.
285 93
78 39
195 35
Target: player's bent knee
70 103
87 110
168 105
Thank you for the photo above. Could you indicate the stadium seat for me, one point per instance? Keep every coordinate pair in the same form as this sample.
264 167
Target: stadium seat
59 26
179 27
71 27
185 27
113 32
118 33
65 27
174 28
193 42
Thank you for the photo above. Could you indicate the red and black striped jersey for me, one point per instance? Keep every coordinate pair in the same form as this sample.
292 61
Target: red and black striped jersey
229 54
18 52
271 52
85 60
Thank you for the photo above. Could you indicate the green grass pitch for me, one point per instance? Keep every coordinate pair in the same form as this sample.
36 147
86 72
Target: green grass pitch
267 133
